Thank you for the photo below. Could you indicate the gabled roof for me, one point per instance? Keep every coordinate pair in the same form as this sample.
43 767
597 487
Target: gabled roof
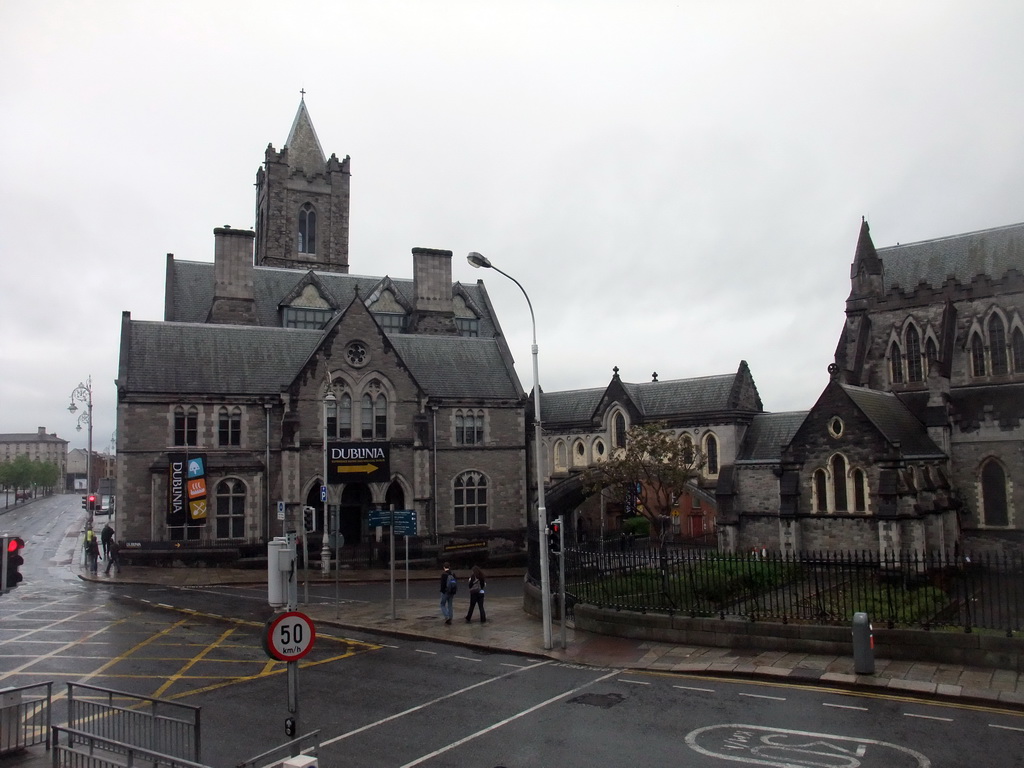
193 283
199 358
894 420
768 434
670 400
989 252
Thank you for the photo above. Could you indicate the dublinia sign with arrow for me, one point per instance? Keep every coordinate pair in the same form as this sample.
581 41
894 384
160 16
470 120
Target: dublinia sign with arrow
368 462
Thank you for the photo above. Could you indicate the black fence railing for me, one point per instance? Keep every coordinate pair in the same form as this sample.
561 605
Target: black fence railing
899 589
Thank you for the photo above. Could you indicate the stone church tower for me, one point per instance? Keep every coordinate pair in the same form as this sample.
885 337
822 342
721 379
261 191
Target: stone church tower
302 203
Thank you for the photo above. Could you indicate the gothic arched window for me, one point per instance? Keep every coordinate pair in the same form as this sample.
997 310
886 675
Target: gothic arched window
839 483
997 346
914 369
307 229
1017 345
931 354
561 457
895 364
229 426
820 491
859 491
345 416
993 493
619 431
186 426
470 499
374 421
977 356
711 453
230 509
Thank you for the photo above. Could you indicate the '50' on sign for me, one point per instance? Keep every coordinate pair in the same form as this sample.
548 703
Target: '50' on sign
289 636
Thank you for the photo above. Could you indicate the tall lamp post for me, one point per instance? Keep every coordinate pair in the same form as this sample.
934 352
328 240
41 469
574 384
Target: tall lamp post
83 394
325 548
478 261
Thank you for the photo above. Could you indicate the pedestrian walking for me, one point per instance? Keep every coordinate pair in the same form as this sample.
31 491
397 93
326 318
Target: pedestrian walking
449 586
113 555
92 551
477 582
105 536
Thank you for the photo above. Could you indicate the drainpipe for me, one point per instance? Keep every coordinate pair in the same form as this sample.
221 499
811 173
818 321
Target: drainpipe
433 479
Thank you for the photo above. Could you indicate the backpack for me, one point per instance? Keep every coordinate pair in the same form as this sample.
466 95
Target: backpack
453 584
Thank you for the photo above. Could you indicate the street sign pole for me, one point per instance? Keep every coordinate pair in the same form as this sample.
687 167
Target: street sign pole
391 529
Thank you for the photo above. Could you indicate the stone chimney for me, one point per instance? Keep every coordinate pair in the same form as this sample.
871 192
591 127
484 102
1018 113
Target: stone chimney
434 312
233 299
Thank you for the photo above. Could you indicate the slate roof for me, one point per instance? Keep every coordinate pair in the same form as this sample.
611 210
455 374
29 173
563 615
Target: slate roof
990 252
767 434
200 358
192 283
894 420
661 399
656 400
458 367
572 407
29 437
197 358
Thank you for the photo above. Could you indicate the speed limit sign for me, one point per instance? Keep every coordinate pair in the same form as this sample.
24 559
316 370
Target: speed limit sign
289 636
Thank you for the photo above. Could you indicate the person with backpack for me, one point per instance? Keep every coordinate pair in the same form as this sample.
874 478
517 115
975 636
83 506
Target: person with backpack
449 586
476 594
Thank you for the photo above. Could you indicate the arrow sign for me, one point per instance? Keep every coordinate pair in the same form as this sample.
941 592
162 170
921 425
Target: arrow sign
366 461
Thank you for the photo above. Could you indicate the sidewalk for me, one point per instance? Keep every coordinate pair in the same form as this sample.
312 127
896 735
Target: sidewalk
509 628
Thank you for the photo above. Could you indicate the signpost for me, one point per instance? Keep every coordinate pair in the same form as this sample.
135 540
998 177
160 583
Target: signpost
290 635
403 523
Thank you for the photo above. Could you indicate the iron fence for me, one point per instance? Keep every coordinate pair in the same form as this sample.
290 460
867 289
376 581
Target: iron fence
25 716
77 749
897 589
158 725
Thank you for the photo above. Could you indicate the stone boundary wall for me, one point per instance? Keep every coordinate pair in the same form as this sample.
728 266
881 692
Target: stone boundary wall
938 646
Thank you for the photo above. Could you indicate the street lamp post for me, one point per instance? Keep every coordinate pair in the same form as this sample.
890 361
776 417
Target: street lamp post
325 549
478 261
83 394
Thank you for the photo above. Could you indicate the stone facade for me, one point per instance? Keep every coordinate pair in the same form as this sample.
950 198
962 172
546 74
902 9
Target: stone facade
916 444
255 371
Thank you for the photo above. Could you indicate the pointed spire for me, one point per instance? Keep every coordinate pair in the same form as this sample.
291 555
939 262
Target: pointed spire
304 150
866 257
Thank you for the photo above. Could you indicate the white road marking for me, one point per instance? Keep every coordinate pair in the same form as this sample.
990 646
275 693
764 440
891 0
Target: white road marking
929 717
468 658
691 688
843 706
760 696
500 723
632 682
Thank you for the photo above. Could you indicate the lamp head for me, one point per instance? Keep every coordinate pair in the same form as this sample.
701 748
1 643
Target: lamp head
329 397
478 260
72 407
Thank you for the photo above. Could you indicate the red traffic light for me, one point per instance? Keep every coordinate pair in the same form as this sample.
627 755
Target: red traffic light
11 576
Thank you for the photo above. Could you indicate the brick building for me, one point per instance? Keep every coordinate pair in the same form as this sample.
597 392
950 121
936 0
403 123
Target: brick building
274 352
916 443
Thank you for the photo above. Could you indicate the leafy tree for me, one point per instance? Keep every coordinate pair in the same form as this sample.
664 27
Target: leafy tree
656 466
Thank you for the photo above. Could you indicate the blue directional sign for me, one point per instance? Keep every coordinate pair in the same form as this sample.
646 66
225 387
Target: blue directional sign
402 520
323 493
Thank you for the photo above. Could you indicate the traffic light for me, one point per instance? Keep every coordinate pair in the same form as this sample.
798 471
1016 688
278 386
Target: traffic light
92 502
555 535
85 502
309 518
12 561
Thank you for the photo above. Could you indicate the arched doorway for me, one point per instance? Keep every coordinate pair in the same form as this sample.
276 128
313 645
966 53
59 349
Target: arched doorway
355 503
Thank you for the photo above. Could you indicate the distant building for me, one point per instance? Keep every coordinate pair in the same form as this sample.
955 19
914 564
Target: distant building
274 350
36 446
917 442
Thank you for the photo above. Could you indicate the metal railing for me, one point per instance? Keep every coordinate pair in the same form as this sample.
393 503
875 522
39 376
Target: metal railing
25 716
77 749
905 589
157 725
307 744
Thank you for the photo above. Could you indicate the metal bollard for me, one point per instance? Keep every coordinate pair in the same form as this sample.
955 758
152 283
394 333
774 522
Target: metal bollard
863 645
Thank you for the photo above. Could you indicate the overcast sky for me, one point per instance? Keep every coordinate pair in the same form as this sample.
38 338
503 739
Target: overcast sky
678 185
